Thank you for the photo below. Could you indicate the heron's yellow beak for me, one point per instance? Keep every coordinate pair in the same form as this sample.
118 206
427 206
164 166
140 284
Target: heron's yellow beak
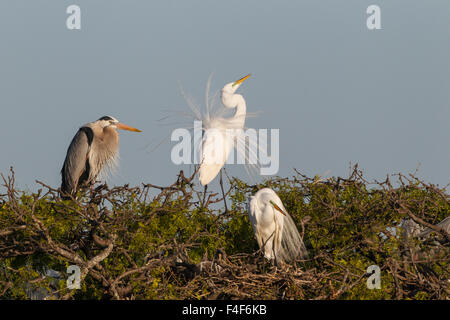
241 80
277 207
122 126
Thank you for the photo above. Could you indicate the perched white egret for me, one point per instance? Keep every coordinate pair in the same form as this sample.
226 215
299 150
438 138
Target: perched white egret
275 230
217 141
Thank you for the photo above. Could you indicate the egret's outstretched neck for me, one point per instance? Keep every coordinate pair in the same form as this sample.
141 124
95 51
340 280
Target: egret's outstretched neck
241 107
237 101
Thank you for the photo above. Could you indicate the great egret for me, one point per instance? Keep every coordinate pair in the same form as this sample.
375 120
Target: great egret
217 141
274 229
92 150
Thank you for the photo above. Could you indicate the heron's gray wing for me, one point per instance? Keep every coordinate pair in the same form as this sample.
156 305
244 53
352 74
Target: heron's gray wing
75 164
444 225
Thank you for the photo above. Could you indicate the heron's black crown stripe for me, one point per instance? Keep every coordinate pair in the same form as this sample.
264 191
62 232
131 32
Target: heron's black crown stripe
107 118
89 133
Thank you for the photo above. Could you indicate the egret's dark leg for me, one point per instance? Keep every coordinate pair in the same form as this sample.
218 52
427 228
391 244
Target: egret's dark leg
264 264
204 194
275 261
223 192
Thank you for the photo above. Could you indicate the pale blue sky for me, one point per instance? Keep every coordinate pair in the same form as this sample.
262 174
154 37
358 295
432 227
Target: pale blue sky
338 92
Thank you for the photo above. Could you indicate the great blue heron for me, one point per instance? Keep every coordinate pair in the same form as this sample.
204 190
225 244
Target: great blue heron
92 150
275 230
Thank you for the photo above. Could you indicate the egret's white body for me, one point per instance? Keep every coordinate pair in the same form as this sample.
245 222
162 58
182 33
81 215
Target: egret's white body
218 138
274 229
